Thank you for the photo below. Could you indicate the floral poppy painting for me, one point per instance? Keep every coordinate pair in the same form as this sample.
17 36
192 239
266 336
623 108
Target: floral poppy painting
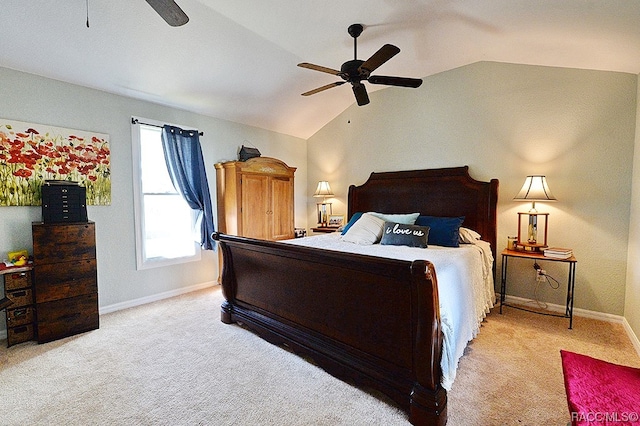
33 153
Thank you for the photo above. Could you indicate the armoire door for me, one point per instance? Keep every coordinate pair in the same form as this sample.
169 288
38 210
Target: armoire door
281 208
255 206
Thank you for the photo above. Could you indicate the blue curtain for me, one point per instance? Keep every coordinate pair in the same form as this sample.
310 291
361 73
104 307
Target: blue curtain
185 163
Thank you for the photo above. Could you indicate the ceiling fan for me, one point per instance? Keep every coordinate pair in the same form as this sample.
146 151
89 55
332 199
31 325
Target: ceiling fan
357 71
169 11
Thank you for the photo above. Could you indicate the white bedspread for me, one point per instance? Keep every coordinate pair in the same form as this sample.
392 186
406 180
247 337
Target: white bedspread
465 287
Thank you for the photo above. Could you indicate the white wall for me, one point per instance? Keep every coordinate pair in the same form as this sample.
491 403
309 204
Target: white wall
632 299
507 121
29 98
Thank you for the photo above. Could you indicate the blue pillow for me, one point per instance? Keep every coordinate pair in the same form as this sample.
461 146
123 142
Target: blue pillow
443 231
353 220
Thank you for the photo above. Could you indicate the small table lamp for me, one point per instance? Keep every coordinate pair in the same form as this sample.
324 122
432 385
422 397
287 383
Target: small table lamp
323 190
535 188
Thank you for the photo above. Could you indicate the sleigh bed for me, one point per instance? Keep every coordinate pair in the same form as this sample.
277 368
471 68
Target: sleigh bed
369 320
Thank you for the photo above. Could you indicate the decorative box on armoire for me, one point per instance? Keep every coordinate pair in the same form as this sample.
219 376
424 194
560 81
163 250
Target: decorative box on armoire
255 198
63 202
65 279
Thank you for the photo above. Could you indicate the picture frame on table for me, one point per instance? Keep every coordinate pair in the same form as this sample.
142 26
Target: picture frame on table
335 220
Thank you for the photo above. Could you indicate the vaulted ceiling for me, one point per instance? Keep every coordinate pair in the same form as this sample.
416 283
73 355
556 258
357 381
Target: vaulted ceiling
236 59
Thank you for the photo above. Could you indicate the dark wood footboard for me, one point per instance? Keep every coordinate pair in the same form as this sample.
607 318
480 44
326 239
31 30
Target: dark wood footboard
368 320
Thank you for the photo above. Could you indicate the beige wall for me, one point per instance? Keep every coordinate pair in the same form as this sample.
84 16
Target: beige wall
506 121
632 299
25 97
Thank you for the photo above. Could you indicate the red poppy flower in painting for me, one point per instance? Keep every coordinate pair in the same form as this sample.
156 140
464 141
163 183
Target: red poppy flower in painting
23 173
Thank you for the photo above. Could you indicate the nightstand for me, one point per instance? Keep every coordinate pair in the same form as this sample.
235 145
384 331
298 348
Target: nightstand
326 229
537 256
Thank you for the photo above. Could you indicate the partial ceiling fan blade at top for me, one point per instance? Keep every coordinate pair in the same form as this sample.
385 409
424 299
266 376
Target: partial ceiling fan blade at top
319 68
169 11
395 81
325 87
361 94
383 54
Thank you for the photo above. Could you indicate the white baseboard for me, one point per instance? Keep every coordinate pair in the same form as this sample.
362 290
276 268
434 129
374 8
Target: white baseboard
632 335
583 313
155 297
143 300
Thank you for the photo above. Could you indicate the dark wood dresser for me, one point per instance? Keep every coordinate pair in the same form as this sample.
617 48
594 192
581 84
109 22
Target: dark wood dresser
65 279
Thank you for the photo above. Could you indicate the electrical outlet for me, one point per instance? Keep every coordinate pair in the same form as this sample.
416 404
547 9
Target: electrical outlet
540 275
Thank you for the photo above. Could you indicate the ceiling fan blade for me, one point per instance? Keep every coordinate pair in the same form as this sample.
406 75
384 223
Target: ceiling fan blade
169 11
319 68
395 81
320 89
383 54
361 94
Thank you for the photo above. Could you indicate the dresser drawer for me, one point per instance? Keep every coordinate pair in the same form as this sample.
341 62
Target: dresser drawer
20 297
22 333
54 243
20 316
66 317
65 279
17 280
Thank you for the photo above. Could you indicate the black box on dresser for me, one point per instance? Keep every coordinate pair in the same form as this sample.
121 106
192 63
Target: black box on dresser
65 279
63 202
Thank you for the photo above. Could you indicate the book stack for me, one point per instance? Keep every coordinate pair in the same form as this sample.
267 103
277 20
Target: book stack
558 252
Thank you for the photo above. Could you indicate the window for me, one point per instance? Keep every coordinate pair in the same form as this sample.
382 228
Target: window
164 222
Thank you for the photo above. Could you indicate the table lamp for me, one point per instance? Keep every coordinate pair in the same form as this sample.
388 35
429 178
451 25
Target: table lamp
323 190
535 188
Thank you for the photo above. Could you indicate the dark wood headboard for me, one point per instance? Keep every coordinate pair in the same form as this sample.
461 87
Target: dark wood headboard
434 192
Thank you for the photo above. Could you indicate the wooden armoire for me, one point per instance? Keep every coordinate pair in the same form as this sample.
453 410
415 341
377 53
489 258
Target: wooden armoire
255 198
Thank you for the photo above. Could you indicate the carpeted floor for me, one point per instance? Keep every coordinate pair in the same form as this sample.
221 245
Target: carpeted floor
174 363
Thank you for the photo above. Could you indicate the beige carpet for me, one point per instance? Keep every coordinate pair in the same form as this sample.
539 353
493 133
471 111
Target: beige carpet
174 363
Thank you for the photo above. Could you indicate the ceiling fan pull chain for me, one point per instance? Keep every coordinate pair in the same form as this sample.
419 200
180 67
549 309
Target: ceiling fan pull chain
87 13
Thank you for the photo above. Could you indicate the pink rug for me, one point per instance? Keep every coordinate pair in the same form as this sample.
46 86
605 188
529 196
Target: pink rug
599 392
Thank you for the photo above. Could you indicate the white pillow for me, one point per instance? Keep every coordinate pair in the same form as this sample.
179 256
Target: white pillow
366 231
405 219
468 236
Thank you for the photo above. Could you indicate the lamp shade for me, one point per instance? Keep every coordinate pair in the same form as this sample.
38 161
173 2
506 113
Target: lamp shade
535 188
323 189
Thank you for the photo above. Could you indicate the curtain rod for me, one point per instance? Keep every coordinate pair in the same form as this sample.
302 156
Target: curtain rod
136 121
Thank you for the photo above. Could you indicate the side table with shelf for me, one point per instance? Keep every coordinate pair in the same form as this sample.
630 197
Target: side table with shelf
538 256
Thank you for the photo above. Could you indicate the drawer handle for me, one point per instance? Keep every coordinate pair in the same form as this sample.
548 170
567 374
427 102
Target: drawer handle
20 275
17 313
70 316
19 293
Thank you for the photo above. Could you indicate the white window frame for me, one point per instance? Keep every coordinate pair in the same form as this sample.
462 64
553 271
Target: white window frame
142 262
